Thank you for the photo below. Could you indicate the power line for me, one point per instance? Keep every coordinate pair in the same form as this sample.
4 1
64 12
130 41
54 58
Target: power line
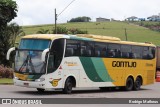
66 7
56 15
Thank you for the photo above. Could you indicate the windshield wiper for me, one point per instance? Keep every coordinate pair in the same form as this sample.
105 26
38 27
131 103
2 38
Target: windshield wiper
32 67
25 63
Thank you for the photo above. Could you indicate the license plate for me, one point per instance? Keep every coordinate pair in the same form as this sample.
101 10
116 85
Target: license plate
26 84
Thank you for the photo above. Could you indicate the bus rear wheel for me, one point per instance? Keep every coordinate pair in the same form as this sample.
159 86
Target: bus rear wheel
68 86
137 84
129 84
40 90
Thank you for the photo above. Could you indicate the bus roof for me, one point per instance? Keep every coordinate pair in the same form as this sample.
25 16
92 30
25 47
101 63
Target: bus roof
89 37
44 36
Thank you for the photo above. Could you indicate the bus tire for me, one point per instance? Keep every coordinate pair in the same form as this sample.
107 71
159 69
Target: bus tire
68 86
129 84
40 90
137 84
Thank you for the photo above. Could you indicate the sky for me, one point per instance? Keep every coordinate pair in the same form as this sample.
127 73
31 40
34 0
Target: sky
37 12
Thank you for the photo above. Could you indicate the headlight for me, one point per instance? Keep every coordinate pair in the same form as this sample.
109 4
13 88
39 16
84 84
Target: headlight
16 78
40 80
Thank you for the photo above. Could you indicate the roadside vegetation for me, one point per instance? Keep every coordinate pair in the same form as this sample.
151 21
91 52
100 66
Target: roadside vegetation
8 35
134 32
6 81
155 26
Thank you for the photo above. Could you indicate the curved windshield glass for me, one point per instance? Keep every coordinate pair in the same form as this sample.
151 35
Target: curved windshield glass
34 44
29 62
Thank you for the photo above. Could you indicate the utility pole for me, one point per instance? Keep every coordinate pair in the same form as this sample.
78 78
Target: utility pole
55 21
126 34
57 15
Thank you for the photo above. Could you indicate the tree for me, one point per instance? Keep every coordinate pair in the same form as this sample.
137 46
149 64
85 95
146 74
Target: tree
15 30
5 44
81 19
8 11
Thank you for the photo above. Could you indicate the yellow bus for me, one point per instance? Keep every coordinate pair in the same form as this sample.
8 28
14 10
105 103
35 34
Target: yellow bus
56 61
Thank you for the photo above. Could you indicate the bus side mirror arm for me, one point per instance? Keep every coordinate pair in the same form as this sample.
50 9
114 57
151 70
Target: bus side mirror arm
9 52
43 57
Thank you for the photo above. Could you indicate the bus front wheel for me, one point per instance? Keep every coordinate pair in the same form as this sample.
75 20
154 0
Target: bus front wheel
129 84
68 86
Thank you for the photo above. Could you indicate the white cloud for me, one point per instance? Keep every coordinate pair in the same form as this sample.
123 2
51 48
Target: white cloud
32 12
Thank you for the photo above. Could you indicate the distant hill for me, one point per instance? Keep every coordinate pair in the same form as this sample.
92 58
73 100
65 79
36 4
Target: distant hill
135 33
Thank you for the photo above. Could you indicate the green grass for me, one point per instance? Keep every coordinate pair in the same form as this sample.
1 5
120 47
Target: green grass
6 81
135 33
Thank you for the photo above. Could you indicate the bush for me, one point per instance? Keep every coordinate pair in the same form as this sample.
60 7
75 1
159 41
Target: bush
64 30
6 72
60 30
76 31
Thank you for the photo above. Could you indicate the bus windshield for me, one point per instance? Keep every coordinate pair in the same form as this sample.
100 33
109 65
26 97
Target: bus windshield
34 44
29 62
28 56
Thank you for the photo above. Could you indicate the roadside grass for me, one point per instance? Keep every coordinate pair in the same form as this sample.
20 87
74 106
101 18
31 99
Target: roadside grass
6 81
117 29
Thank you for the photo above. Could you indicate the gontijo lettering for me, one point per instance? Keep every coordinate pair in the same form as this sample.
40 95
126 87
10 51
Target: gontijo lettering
124 64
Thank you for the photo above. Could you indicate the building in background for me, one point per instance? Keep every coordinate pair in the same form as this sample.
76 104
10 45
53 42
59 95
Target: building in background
132 18
102 19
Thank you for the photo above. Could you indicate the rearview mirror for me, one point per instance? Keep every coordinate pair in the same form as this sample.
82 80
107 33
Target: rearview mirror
43 57
9 52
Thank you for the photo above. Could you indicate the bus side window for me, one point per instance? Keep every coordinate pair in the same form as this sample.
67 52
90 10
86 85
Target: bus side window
132 55
151 52
83 50
145 52
97 53
72 48
125 54
87 49
104 52
111 53
100 50
137 52
114 50
51 63
69 52
118 53
125 49
148 52
56 55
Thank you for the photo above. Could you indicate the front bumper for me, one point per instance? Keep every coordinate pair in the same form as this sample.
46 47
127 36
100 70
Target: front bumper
29 84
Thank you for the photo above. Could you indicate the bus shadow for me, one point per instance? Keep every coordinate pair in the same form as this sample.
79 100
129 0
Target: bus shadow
103 91
36 93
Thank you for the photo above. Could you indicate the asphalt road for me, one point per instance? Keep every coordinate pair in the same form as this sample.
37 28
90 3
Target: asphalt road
11 91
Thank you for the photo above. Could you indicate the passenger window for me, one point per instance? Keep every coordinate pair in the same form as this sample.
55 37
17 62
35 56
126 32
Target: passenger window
148 53
72 48
114 51
145 52
136 52
87 49
125 51
100 50
151 53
